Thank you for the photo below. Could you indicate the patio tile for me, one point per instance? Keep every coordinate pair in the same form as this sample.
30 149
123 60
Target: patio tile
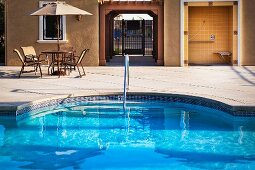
232 85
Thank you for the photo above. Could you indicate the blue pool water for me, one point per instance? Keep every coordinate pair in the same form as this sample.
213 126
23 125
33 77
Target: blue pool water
148 135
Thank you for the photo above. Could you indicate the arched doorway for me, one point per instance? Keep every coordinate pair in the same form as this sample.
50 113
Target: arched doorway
127 39
132 33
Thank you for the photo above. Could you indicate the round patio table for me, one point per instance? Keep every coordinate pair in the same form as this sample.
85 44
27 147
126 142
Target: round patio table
56 57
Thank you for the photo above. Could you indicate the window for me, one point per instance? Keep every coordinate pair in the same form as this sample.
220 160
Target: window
48 32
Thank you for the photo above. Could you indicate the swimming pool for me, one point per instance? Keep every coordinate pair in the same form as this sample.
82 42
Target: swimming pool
147 135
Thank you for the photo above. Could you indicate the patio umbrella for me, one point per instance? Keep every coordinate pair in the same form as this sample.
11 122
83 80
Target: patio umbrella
58 9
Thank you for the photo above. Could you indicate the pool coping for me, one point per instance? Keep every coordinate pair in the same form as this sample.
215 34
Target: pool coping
243 111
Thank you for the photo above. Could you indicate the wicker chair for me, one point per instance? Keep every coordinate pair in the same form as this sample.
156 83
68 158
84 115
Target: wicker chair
76 63
28 62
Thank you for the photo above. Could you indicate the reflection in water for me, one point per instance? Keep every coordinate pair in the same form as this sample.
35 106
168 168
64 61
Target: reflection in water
42 125
127 112
46 157
43 143
63 124
184 124
240 139
2 129
72 139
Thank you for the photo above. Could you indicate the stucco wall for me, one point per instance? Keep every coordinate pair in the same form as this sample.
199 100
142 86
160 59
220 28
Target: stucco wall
23 30
248 32
172 32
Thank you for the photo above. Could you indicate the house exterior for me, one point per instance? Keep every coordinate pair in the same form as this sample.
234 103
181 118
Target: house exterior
186 32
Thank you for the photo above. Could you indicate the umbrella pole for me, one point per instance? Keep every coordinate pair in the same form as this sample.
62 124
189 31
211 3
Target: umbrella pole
58 18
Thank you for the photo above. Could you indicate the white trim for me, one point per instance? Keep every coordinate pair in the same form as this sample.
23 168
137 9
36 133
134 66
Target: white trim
64 27
182 28
41 40
52 41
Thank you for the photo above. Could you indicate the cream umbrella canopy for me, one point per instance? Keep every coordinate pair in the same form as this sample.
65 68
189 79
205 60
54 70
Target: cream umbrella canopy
58 8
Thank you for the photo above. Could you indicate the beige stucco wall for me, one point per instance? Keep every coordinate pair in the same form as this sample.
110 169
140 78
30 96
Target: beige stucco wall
172 32
23 30
248 32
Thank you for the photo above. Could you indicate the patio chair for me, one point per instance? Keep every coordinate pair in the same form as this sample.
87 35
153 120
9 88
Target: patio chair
28 62
76 63
30 54
71 53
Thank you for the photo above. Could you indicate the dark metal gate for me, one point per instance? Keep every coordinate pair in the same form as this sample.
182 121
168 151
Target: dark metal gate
133 37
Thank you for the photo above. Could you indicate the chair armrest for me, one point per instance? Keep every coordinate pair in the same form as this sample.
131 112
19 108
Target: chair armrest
43 55
31 57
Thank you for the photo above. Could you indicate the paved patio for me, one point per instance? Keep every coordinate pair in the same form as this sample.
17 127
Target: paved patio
231 85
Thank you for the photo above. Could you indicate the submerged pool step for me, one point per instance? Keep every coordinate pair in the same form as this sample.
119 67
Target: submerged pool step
98 115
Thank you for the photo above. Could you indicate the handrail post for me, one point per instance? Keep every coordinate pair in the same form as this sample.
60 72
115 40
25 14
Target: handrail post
127 60
126 80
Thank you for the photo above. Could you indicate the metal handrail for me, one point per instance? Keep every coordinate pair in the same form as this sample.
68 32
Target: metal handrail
126 81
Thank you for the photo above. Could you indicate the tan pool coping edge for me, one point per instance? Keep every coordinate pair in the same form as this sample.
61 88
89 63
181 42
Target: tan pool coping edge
13 108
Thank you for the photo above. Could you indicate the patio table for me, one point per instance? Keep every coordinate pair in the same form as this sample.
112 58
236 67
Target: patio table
57 56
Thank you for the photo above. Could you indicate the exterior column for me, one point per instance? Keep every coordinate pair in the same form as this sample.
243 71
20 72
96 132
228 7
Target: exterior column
235 35
107 37
160 60
186 34
102 61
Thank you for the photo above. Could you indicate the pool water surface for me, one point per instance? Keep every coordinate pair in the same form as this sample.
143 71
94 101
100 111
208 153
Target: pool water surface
147 135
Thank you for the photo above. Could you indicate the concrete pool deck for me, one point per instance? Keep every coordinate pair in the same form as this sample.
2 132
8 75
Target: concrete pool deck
234 86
